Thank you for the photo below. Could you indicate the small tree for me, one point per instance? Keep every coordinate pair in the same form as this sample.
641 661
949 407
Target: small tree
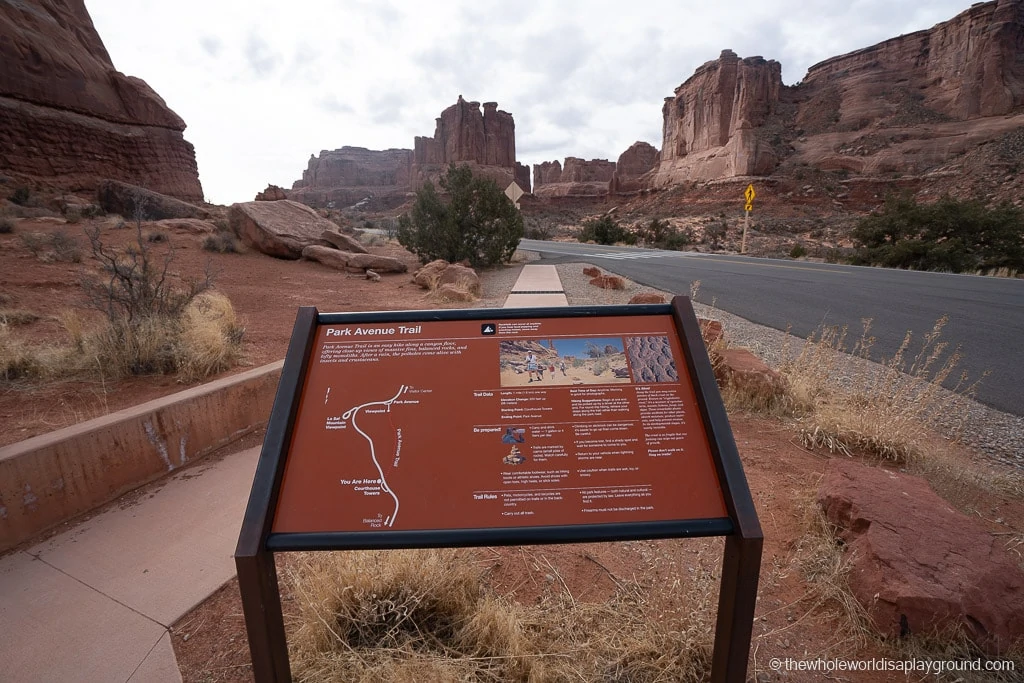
478 223
605 230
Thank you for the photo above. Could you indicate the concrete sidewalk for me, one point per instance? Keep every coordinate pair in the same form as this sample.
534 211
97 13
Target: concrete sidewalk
95 602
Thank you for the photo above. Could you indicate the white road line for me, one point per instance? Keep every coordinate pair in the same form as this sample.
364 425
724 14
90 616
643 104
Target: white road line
390 520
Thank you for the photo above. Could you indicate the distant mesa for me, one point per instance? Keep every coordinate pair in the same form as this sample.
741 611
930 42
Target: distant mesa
464 134
596 177
70 119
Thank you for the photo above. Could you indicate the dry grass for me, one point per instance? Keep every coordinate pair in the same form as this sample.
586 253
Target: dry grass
428 615
17 316
203 340
886 410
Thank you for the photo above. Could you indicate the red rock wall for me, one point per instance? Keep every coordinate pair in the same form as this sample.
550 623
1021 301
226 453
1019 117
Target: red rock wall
357 167
968 67
464 134
68 117
523 177
641 158
709 126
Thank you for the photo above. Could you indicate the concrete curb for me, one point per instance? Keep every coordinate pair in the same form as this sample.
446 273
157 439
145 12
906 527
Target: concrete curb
54 477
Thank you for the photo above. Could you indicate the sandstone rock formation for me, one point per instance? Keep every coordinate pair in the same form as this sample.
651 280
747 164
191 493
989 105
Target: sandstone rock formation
917 564
282 228
463 134
651 359
138 203
907 105
577 177
633 164
69 118
710 127
346 176
353 263
383 179
343 242
273 193
437 273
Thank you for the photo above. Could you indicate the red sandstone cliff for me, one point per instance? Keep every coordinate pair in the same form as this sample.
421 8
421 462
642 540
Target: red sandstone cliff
908 105
69 118
577 177
633 164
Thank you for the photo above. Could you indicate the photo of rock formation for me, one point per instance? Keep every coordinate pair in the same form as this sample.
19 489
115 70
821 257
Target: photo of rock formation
561 362
651 360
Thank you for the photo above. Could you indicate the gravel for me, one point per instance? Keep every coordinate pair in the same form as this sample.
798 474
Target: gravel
997 435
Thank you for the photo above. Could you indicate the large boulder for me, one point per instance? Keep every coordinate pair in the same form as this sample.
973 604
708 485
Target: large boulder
919 565
743 372
282 228
194 226
436 274
134 202
353 263
343 242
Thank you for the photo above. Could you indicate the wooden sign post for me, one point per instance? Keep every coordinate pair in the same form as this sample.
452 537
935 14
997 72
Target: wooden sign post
420 429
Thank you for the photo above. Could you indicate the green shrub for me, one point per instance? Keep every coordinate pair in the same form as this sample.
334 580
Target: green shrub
20 196
950 235
478 223
605 230
797 251
6 225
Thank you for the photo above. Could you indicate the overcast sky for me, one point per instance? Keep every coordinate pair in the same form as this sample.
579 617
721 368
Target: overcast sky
262 85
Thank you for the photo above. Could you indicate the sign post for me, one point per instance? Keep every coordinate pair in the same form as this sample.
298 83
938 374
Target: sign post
625 437
749 196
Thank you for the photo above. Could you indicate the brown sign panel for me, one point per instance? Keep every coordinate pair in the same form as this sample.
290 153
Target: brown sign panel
473 424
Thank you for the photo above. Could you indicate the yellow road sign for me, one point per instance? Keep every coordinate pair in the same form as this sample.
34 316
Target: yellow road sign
748 207
749 195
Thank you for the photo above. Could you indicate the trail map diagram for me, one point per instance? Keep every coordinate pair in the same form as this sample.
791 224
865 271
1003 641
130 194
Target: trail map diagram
351 414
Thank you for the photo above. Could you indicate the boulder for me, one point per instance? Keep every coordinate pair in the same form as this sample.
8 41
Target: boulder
282 228
608 282
428 275
453 292
744 372
647 298
273 193
917 564
343 242
354 263
134 202
194 226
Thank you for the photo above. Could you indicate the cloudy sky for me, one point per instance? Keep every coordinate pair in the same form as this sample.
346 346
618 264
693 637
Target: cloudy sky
262 85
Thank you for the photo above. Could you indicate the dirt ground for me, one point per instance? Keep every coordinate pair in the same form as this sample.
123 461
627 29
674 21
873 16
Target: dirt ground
210 642
266 292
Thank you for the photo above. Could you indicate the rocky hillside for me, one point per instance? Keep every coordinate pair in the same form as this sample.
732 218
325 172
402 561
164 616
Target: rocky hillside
69 118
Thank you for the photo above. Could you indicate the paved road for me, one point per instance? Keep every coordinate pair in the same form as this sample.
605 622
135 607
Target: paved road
986 315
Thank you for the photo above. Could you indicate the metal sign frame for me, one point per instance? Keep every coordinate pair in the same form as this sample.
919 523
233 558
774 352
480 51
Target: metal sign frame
254 554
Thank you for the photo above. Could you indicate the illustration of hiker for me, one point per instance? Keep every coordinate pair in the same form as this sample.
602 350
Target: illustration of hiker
531 366
540 372
512 436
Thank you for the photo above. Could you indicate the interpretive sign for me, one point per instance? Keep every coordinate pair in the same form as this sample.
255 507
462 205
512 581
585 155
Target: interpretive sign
487 427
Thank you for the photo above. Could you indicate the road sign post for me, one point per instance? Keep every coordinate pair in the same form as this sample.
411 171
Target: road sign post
749 196
363 446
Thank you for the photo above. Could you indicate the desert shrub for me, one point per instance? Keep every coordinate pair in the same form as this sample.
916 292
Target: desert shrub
797 251
949 235
210 337
35 242
605 230
20 196
73 216
136 284
6 225
538 231
17 316
477 223
714 234
662 235
65 247
156 236
369 239
18 359
221 243
600 367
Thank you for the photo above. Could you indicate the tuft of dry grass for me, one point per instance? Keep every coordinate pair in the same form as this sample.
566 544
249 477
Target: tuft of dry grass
403 615
210 337
17 316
